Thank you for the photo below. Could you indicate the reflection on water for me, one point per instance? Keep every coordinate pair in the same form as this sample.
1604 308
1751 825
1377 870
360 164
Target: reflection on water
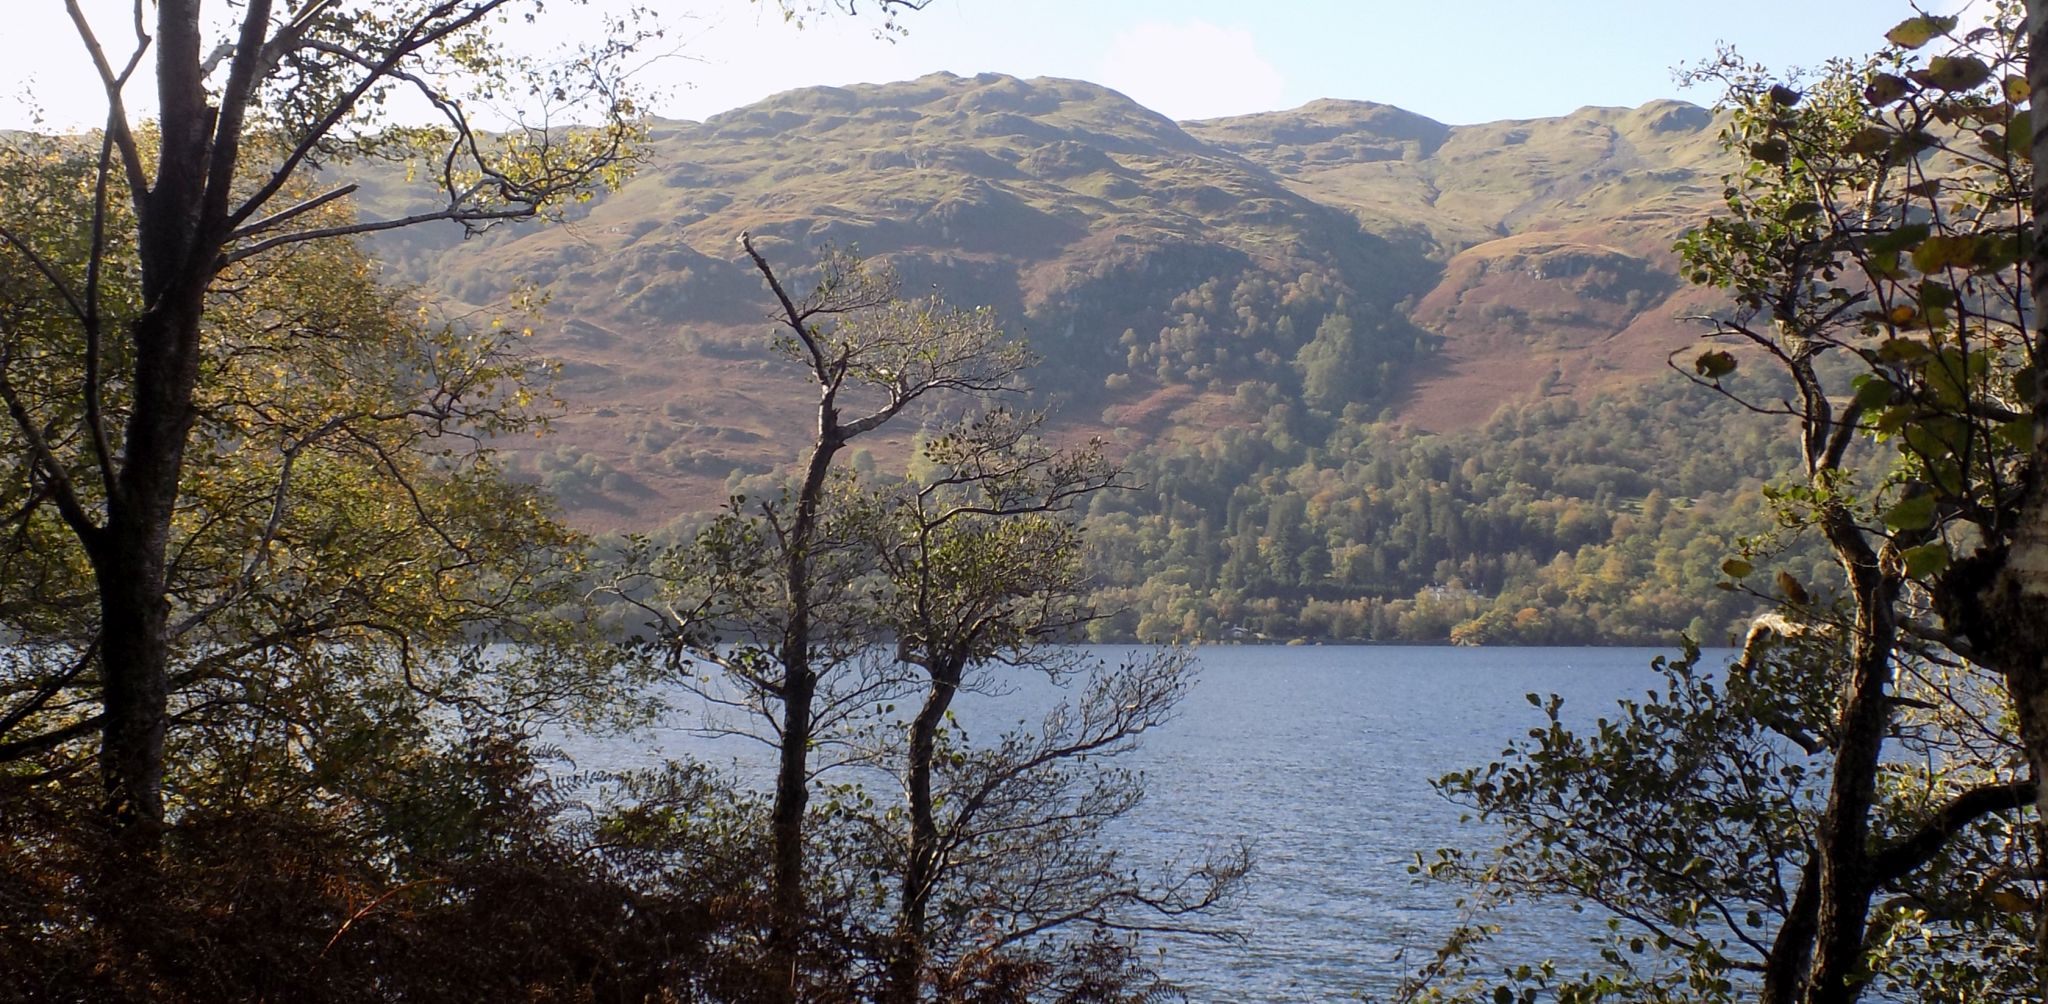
1321 757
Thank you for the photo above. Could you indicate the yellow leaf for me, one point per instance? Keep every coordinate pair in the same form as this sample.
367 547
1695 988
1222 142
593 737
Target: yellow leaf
2011 902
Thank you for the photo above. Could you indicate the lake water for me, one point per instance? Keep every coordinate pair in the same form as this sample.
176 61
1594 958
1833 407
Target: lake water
1321 757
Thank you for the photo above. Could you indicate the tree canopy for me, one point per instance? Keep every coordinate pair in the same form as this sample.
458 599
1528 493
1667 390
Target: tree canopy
1845 810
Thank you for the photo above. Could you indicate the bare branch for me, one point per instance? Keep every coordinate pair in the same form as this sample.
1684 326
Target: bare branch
54 474
285 215
375 226
117 112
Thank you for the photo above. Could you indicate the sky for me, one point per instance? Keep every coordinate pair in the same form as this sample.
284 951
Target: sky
1473 61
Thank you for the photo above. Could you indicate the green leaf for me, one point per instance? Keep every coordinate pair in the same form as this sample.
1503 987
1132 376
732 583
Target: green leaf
1916 140
1873 392
1900 239
1938 438
2019 136
1770 151
1915 32
1885 88
1997 253
1903 350
1949 378
1953 73
1736 568
1914 513
1925 560
1945 251
1714 365
1870 141
1992 140
2018 433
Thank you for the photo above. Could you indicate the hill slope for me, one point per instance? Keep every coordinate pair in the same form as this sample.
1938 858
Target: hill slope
1158 267
1149 267
1555 234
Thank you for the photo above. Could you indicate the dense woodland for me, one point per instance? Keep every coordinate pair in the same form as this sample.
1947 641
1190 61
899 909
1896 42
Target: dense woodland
287 630
1558 522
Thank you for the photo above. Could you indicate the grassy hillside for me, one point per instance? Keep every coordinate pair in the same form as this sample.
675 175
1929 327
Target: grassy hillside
1157 266
1555 235
1147 266
1343 305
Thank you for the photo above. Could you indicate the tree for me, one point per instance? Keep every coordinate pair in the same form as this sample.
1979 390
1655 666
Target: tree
342 554
981 566
1873 251
822 606
224 181
1997 597
1023 889
1910 261
1688 817
981 557
1331 365
776 576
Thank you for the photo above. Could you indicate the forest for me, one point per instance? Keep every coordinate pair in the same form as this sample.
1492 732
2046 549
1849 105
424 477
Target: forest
292 639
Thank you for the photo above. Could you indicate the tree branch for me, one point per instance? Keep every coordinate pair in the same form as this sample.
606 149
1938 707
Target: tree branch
352 229
117 111
284 215
47 741
1917 848
62 491
49 688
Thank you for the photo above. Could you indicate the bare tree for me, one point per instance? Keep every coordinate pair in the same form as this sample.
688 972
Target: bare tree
1015 854
777 573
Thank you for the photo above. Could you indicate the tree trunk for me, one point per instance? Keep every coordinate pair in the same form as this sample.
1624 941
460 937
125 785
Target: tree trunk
1842 846
2028 563
2021 611
792 793
799 690
2028 690
1842 841
1792 950
178 243
134 659
129 554
920 866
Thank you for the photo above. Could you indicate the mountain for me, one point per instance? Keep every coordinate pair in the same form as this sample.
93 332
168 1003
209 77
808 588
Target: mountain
1555 234
1158 267
1385 378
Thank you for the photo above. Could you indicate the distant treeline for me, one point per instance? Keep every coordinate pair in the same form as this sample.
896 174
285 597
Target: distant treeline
1561 521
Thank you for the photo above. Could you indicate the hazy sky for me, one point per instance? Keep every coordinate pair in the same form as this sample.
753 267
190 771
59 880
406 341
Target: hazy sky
1466 62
